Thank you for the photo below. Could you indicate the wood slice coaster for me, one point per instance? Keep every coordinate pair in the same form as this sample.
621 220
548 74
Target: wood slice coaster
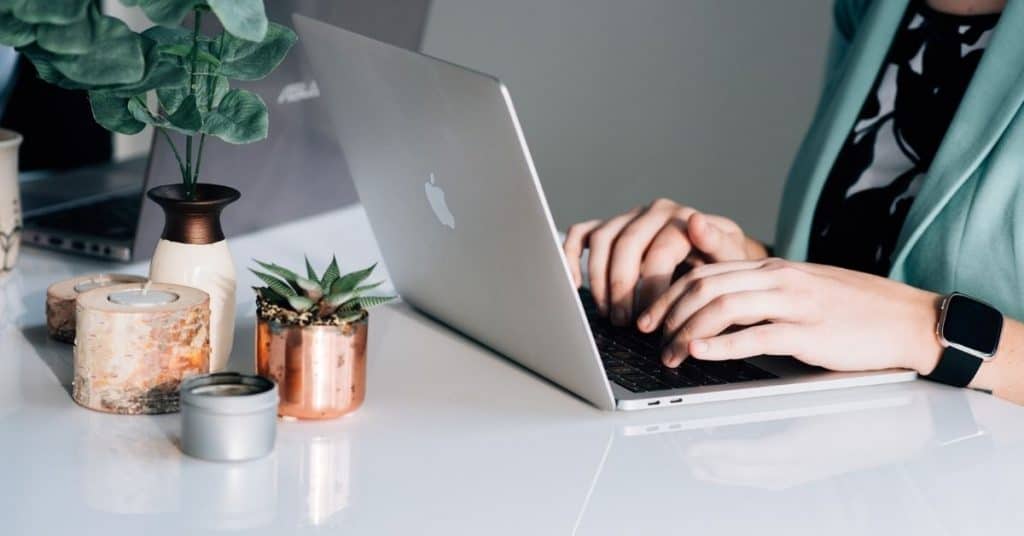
136 342
60 301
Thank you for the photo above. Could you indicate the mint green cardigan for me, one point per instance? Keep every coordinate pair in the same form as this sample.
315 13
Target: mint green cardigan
965 230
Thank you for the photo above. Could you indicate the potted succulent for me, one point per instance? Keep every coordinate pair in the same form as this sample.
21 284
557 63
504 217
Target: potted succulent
311 337
178 80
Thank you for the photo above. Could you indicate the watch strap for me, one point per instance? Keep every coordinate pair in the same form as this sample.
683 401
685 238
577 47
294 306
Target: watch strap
955 368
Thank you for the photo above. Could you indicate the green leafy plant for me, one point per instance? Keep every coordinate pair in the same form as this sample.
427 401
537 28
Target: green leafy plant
330 298
170 77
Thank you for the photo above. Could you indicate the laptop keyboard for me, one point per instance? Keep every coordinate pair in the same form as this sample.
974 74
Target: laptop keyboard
633 359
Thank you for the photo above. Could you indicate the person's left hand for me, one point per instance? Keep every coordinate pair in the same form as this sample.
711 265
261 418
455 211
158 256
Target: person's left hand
825 316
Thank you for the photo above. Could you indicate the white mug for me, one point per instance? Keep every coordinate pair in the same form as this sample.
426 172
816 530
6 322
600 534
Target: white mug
10 201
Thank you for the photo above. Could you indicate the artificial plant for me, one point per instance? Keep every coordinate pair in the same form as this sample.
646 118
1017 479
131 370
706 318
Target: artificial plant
168 76
327 299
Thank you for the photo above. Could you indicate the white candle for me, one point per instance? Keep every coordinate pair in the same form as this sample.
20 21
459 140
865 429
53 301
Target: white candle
142 297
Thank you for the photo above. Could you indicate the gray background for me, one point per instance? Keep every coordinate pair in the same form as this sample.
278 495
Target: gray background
622 101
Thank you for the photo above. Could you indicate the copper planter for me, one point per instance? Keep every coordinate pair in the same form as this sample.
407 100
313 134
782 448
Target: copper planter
320 370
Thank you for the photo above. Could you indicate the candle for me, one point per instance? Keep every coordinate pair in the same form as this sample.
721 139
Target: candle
227 389
101 281
142 297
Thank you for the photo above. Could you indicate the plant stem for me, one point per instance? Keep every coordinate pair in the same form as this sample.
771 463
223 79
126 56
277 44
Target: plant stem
181 165
190 178
199 158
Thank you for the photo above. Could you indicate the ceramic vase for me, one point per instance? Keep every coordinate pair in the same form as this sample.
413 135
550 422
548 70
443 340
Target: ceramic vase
320 370
10 201
193 252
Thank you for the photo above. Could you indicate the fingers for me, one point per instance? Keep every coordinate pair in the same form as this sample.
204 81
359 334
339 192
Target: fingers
628 252
718 240
667 251
576 240
601 241
766 339
702 292
737 309
655 314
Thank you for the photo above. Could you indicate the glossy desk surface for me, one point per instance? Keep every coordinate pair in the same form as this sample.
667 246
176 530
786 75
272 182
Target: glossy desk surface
454 439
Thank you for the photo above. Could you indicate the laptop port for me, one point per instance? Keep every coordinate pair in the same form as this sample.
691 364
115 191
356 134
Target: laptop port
80 246
55 241
675 401
655 403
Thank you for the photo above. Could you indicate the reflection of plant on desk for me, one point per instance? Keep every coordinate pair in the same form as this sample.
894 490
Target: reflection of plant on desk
172 78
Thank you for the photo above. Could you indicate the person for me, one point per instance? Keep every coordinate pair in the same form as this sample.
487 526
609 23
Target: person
909 186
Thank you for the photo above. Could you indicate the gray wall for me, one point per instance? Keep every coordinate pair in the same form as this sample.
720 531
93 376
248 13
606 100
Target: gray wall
703 101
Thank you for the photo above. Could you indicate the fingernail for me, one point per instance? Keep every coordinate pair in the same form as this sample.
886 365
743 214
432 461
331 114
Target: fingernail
619 316
644 323
697 348
675 362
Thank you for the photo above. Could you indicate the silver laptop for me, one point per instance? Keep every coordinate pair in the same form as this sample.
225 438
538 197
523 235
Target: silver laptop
440 164
101 211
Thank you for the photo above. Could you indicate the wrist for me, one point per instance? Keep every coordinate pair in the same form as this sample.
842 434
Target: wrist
924 351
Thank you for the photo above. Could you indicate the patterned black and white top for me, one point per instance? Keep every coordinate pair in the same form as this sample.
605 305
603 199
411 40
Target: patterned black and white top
879 170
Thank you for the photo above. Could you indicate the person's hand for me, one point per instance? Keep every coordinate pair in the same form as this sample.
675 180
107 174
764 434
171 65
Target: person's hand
634 255
826 316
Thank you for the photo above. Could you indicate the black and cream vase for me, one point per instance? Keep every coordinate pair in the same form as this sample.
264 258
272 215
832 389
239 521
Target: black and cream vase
10 201
193 252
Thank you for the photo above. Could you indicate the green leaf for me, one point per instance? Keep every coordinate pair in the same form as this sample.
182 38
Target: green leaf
161 72
241 117
165 12
349 282
247 60
245 19
310 288
112 113
310 272
279 271
81 36
15 33
367 302
185 119
275 284
364 288
110 62
335 300
164 35
184 51
300 304
50 11
209 90
331 274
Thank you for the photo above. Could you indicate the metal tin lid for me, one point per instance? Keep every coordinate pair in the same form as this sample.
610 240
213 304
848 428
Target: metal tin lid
229 392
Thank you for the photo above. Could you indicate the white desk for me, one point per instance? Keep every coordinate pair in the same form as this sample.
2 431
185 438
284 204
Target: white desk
465 442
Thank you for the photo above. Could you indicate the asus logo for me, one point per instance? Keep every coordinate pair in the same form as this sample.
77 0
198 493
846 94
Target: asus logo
298 91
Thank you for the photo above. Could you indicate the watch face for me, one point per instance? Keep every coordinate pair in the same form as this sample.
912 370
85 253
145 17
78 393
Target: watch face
972 324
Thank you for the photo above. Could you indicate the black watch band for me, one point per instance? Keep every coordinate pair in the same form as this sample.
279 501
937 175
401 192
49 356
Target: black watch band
956 368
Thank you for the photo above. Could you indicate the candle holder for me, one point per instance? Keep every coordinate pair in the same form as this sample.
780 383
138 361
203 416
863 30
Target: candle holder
228 416
135 343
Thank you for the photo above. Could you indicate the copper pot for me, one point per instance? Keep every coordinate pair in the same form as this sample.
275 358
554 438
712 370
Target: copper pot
320 370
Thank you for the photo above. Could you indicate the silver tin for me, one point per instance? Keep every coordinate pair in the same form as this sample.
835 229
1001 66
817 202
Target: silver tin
227 416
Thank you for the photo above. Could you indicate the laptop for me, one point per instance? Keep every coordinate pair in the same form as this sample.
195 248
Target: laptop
441 166
101 211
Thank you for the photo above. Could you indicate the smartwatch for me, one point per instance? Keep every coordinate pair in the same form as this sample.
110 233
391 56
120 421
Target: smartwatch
969 332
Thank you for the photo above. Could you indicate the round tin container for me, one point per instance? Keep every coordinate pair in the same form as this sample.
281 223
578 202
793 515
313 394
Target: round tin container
227 416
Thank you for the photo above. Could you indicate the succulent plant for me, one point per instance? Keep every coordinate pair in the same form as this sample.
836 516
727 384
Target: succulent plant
329 298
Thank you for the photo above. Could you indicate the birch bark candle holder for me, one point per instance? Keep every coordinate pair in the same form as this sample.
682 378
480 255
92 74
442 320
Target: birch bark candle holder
135 343
60 301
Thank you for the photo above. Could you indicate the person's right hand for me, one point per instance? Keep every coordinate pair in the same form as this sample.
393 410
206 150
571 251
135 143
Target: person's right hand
634 255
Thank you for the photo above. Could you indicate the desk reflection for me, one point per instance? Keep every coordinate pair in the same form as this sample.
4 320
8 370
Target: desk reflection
884 453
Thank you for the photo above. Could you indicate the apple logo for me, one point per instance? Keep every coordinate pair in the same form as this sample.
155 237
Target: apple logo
435 196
